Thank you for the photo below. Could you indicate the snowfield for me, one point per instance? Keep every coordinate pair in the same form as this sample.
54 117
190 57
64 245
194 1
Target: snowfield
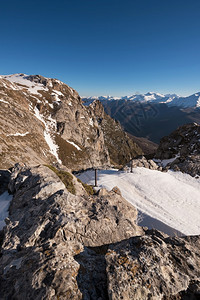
172 198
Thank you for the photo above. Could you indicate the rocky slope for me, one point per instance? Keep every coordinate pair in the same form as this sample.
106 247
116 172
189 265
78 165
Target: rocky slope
52 236
120 146
57 245
43 120
181 149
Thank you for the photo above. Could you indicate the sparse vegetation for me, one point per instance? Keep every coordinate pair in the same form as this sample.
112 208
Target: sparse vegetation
65 177
89 189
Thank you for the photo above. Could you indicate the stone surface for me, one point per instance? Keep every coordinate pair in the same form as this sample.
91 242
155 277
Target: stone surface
31 121
142 162
49 234
154 266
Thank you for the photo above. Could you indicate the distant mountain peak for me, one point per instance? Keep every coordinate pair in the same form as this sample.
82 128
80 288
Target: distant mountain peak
192 101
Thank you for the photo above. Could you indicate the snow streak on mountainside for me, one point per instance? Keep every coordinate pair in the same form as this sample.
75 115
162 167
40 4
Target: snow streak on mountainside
43 120
172 197
169 99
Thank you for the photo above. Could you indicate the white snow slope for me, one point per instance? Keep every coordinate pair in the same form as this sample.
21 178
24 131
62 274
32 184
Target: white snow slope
172 198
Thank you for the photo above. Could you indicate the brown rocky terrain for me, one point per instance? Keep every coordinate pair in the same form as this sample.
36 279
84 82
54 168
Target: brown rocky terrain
59 245
120 146
43 120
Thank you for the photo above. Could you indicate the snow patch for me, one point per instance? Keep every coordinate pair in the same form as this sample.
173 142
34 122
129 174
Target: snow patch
32 86
49 125
1 100
91 123
76 146
163 163
18 134
5 200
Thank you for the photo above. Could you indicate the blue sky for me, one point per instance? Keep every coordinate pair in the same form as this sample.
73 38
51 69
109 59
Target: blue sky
104 47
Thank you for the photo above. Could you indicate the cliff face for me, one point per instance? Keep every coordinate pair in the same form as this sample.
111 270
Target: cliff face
43 120
120 146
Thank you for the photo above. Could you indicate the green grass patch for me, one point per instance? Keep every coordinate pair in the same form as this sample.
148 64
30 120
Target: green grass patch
65 177
89 189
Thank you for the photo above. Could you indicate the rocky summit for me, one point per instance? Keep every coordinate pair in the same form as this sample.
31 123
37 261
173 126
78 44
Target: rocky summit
53 236
62 245
44 120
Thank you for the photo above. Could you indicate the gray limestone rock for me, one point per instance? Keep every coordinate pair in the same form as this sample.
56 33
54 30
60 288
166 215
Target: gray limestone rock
142 162
48 232
154 266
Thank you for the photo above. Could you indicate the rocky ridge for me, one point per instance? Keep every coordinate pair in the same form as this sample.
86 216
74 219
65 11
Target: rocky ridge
48 227
44 120
181 149
57 245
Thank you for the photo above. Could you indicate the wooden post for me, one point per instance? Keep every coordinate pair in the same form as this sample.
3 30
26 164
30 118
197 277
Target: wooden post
95 177
131 166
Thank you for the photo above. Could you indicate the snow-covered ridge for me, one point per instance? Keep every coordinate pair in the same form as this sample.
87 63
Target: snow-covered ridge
169 99
23 80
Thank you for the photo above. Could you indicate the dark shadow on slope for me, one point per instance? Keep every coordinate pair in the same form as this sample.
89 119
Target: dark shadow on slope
92 278
152 223
4 180
149 120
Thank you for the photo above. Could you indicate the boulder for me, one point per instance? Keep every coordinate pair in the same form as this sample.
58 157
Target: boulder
154 266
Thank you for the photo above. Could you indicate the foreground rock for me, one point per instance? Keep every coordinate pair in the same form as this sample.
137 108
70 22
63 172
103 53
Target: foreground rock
58 245
49 234
154 266
182 149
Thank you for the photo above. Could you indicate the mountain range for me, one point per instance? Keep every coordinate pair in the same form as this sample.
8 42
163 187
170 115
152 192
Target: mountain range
151 115
169 99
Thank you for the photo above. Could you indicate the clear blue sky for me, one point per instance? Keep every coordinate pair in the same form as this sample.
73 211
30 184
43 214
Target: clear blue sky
102 47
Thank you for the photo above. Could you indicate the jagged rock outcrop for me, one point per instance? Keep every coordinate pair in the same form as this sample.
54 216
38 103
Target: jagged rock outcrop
44 121
121 147
183 145
52 236
154 266
141 162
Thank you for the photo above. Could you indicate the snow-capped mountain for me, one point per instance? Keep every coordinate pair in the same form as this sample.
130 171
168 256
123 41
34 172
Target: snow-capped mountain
169 99
43 120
